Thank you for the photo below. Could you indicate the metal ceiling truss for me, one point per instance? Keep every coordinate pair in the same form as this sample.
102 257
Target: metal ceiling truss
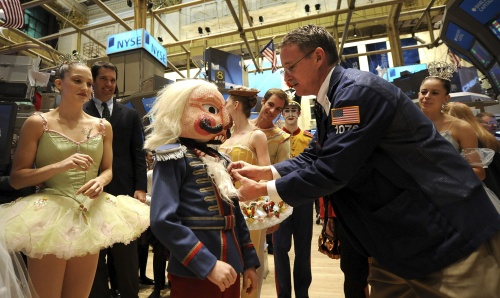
390 17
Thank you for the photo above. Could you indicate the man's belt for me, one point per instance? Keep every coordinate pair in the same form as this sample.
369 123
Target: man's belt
209 223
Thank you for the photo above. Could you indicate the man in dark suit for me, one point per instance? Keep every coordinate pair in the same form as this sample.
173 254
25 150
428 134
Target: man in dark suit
402 193
129 178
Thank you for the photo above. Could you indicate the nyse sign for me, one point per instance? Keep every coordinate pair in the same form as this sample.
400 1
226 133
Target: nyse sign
136 39
155 48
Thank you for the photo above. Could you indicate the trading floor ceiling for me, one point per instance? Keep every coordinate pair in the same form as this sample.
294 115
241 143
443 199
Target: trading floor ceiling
347 20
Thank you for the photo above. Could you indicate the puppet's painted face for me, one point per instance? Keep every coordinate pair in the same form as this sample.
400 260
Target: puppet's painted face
205 119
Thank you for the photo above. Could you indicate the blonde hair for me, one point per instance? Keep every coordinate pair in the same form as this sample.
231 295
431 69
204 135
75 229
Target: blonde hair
462 111
167 111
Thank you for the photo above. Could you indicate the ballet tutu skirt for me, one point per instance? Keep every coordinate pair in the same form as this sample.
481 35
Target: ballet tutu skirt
58 222
264 213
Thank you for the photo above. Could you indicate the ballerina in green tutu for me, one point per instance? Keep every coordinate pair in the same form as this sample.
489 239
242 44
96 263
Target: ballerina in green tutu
63 227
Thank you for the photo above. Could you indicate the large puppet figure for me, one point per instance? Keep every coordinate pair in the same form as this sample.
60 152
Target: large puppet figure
193 208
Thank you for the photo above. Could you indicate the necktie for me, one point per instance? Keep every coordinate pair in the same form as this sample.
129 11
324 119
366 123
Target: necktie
105 111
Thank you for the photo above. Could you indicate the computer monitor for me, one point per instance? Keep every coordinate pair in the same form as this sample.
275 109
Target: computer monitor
401 71
482 11
223 67
410 84
494 73
147 102
495 27
481 54
8 113
458 36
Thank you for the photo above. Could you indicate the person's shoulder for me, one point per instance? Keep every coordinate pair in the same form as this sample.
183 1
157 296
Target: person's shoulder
36 119
461 124
307 134
258 134
170 152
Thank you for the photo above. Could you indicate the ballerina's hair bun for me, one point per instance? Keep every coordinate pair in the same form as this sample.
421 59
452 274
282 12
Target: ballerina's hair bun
249 93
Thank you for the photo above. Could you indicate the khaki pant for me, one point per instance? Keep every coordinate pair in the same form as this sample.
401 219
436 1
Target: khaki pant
477 275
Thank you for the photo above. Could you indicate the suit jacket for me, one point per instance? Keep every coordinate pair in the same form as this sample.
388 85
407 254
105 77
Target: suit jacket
403 193
129 164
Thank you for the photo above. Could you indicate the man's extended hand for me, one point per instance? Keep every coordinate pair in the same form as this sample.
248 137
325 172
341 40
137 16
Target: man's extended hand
249 190
249 171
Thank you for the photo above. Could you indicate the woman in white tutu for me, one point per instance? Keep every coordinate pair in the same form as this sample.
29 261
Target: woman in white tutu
62 228
13 275
433 97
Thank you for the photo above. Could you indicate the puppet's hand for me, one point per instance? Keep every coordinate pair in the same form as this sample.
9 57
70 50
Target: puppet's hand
223 275
250 275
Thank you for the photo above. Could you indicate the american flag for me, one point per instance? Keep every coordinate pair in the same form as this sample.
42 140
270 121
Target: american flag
269 53
455 59
14 16
346 115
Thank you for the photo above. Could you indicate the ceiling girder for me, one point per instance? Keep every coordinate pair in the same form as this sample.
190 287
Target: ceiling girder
181 49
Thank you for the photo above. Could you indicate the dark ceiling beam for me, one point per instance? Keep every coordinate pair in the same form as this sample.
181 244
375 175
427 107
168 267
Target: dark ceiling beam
351 6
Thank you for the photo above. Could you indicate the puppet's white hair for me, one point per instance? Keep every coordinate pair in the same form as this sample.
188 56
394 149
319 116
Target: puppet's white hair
167 111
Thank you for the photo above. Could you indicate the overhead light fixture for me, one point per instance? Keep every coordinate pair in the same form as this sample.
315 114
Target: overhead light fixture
354 30
318 7
200 31
251 20
207 29
307 9
261 19
160 39
129 3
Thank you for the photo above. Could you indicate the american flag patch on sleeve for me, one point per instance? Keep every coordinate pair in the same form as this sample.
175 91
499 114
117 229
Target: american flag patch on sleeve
345 115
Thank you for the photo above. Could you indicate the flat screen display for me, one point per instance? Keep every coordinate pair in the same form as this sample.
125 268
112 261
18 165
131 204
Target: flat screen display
8 113
481 10
401 71
224 67
495 27
481 54
147 102
495 75
459 36
410 84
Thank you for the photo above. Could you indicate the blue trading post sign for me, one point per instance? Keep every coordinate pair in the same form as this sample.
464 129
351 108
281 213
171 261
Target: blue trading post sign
136 39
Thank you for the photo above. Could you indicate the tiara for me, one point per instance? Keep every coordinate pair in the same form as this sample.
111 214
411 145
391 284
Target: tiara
441 70
72 58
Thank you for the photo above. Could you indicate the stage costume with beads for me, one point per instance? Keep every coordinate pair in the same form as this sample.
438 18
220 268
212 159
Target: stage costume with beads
59 222
262 213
